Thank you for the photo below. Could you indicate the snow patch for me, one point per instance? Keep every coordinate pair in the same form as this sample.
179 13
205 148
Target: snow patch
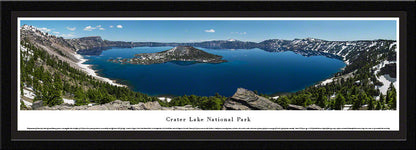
29 104
69 101
327 81
347 107
333 96
381 65
28 94
393 44
163 98
372 44
386 80
342 49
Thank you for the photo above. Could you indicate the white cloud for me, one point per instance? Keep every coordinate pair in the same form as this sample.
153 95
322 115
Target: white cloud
99 26
67 35
44 29
89 28
55 32
210 30
101 29
71 29
241 33
111 26
119 26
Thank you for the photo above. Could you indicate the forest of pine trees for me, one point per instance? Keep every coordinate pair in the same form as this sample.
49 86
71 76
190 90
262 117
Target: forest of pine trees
346 91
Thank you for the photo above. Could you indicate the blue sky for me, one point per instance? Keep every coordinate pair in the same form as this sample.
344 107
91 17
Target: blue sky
203 30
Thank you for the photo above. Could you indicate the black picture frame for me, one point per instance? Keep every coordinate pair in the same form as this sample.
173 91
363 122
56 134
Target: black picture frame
13 139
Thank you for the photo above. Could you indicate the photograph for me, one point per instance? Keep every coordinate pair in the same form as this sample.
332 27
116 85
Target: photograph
207 74
191 63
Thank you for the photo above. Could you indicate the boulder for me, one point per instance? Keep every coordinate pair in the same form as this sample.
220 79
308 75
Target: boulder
138 106
186 107
167 108
295 107
244 99
114 105
364 107
313 107
152 106
98 107
229 104
118 105
37 104
83 107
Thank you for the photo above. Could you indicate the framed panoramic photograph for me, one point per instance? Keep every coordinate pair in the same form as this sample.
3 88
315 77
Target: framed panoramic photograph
214 75
208 73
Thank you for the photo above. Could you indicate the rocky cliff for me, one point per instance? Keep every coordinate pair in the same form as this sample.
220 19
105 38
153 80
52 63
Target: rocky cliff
352 52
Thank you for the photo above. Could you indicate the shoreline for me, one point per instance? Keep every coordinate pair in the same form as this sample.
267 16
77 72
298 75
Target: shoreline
88 69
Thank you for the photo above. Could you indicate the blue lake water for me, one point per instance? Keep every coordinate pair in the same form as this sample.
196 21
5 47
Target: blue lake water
253 69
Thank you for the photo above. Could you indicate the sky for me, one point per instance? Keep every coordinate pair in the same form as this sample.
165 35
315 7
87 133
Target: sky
205 30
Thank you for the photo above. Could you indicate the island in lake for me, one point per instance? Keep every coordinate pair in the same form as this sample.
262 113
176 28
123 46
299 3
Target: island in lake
179 53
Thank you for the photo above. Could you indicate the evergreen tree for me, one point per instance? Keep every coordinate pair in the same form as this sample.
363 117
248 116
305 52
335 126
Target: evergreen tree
21 89
378 107
391 94
283 101
339 102
58 84
382 99
370 103
307 100
213 103
22 105
107 98
356 103
321 101
80 97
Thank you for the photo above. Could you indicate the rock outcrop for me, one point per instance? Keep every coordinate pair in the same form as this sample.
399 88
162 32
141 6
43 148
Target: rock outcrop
313 107
295 107
37 104
247 100
114 105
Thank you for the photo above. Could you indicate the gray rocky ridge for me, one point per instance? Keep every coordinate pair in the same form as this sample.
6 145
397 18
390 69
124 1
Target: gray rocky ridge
114 105
313 107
